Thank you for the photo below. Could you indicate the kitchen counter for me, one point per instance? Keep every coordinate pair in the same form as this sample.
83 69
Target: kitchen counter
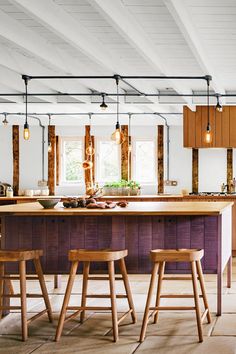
140 227
133 208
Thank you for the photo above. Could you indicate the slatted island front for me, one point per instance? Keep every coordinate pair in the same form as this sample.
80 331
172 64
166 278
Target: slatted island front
140 227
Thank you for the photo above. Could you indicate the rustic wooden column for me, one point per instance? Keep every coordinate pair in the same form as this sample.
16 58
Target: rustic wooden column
16 156
125 154
195 170
160 160
58 164
89 175
51 160
229 167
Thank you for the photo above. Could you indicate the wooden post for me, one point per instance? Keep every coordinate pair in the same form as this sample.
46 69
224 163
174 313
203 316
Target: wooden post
125 154
195 170
89 175
58 165
229 167
15 150
51 160
160 156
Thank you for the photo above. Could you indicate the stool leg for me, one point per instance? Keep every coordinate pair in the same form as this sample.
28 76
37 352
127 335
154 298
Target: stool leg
23 300
203 290
159 286
57 281
127 288
111 272
86 267
149 298
196 299
1 286
38 268
70 283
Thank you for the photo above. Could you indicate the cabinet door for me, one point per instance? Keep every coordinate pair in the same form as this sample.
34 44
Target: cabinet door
218 125
225 126
189 127
232 126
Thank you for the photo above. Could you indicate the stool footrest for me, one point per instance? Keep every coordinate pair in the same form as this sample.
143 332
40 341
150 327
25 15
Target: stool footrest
41 313
178 296
105 296
5 277
168 308
10 307
18 295
177 278
85 308
103 278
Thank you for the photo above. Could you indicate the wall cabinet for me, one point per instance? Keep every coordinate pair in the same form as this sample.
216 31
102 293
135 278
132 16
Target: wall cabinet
223 127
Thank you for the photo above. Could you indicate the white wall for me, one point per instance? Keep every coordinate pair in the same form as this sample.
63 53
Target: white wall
212 162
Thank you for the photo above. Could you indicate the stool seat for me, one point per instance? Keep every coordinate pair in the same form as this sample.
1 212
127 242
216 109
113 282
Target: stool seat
178 255
104 255
19 255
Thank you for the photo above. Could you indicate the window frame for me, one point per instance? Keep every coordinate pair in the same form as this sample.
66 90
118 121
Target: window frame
135 139
99 139
63 139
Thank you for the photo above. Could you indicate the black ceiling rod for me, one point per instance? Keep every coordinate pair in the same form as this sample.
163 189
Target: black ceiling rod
135 77
93 113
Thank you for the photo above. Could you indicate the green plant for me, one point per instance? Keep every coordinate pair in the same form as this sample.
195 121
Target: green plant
122 184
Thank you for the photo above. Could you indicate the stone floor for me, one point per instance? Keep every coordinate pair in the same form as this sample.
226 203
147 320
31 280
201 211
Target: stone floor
176 332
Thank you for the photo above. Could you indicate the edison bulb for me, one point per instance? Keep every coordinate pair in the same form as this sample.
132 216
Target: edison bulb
49 147
117 136
26 133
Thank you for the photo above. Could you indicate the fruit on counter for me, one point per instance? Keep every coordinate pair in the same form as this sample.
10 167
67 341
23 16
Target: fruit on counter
122 203
90 200
74 203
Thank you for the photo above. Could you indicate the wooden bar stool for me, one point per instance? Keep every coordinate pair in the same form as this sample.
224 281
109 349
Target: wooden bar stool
22 256
159 257
87 256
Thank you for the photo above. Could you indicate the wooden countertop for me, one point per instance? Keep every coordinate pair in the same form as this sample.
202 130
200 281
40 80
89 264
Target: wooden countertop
134 208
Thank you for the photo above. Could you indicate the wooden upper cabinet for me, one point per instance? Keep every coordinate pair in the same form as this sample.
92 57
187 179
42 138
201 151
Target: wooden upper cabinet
223 127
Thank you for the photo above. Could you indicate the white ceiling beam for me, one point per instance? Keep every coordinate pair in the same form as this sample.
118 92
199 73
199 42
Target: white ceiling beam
178 10
70 30
121 19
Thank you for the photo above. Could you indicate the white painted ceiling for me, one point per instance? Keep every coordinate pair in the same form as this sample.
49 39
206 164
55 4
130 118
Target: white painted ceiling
107 37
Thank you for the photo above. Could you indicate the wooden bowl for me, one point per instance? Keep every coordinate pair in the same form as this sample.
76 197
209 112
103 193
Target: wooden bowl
48 203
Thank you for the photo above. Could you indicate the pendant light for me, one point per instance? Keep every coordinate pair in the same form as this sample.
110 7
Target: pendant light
49 142
5 121
103 105
90 150
26 132
208 133
117 136
219 107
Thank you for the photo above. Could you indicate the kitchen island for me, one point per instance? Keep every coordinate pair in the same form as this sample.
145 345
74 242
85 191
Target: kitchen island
140 227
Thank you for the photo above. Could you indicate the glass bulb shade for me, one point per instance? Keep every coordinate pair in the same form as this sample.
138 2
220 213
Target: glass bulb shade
118 136
219 108
130 148
90 150
87 164
26 133
208 136
5 122
103 106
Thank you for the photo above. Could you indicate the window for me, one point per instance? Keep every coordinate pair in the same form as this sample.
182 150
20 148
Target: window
108 161
72 158
144 160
